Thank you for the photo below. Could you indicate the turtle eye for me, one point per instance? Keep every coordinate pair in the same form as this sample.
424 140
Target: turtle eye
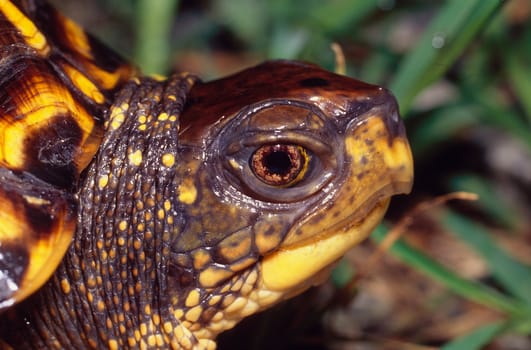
281 165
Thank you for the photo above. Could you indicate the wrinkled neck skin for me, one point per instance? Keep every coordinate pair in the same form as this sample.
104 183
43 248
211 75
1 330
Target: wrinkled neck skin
113 288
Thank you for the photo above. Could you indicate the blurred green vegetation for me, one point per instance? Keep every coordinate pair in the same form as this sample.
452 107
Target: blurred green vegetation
461 71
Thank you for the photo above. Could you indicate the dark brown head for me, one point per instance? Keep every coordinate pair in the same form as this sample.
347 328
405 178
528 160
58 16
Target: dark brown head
285 167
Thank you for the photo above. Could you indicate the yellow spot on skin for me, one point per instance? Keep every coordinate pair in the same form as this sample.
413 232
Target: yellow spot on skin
103 181
163 116
117 116
34 38
151 341
113 344
142 119
142 127
65 286
122 226
237 305
131 341
167 205
187 191
156 319
168 160
178 314
101 306
135 158
194 313
168 327
236 246
143 329
193 298
213 275
201 258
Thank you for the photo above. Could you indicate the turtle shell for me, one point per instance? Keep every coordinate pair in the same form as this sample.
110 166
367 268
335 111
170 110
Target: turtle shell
56 82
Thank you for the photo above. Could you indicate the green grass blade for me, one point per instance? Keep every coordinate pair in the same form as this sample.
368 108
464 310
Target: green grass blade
471 290
519 74
155 18
449 34
512 274
478 338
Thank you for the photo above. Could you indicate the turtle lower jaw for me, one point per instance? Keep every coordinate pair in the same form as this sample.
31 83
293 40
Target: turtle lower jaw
294 268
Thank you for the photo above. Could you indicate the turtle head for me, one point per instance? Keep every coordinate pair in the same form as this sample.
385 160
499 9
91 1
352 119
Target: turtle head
286 167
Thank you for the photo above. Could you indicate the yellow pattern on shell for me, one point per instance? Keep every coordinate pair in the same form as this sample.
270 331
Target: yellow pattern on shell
84 84
33 37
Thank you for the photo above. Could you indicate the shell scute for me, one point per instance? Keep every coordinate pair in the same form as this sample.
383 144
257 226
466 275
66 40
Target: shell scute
56 84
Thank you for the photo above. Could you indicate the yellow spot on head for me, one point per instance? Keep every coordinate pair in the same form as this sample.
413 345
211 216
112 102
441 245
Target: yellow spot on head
187 191
135 158
168 160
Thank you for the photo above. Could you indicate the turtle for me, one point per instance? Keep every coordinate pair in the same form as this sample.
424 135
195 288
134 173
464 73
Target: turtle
146 212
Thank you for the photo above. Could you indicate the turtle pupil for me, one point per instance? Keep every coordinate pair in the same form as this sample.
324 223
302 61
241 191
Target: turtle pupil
278 162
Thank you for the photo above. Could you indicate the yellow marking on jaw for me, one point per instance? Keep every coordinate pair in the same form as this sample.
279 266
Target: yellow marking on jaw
84 84
135 158
236 246
187 191
33 37
193 298
212 276
168 160
194 313
201 259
